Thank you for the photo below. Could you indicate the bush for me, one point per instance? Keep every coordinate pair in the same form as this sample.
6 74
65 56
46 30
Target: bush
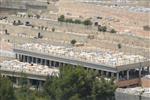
61 18
53 29
113 31
37 16
119 46
69 20
102 28
77 21
73 42
87 22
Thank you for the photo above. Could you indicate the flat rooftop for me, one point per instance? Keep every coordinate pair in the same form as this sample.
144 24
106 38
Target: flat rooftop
34 69
99 56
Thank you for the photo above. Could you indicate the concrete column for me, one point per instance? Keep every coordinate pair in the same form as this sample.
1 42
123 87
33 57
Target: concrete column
17 81
28 82
117 75
50 63
102 73
107 74
128 77
40 85
112 74
36 60
59 64
140 72
45 62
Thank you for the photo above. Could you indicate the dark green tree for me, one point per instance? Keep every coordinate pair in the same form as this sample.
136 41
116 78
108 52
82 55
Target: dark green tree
69 20
102 28
53 29
6 89
87 22
119 46
73 42
61 18
113 31
77 21
78 84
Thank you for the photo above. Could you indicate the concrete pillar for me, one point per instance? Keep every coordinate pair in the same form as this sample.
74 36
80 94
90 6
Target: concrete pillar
112 74
59 64
40 85
140 69
107 74
102 73
45 62
50 63
28 82
17 81
117 75
36 60
128 74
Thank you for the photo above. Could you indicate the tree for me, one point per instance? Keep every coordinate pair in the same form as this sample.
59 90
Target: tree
61 18
119 46
87 22
38 16
6 89
73 42
103 89
69 20
102 28
113 31
77 21
53 29
78 84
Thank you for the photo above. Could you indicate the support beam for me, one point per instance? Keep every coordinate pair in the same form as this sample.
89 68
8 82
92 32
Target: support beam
128 74
117 76
140 69
36 60
112 74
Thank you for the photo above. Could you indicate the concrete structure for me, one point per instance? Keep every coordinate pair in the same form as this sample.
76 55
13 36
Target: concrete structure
136 93
127 74
35 74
